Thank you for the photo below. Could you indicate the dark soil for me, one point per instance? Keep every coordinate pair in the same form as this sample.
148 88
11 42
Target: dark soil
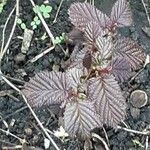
25 125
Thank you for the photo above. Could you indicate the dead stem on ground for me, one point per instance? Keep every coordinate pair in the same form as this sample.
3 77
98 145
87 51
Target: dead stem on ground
106 136
41 54
94 135
22 141
13 113
4 29
146 143
58 10
144 132
146 11
3 51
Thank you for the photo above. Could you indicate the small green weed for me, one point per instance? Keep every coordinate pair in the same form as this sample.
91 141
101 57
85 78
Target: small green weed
22 25
35 22
44 10
59 39
136 142
2 4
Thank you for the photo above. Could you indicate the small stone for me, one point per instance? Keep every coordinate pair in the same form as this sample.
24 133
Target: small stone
19 58
28 131
135 112
138 98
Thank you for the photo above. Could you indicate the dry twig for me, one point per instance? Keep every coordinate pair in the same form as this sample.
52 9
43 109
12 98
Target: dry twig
106 136
17 111
58 10
13 97
33 113
6 142
5 92
101 139
48 32
13 147
4 29
41 54
146 143
93 2
3 51
146 11
11 134
14 87
134 131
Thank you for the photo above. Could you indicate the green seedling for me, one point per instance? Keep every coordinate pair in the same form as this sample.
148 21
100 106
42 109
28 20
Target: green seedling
44 10
59 39
22 25
138 143
2 4
44 36
35 22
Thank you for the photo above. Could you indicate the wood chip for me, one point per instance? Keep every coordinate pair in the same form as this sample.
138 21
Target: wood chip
26 40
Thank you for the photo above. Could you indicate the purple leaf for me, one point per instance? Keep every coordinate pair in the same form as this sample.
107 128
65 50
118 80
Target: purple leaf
110 103
92 31
77 56
75 37
47 88
87 60
80 118
75 75
130 50
120 69
77 81
121 14
104 51
81 14
104 46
